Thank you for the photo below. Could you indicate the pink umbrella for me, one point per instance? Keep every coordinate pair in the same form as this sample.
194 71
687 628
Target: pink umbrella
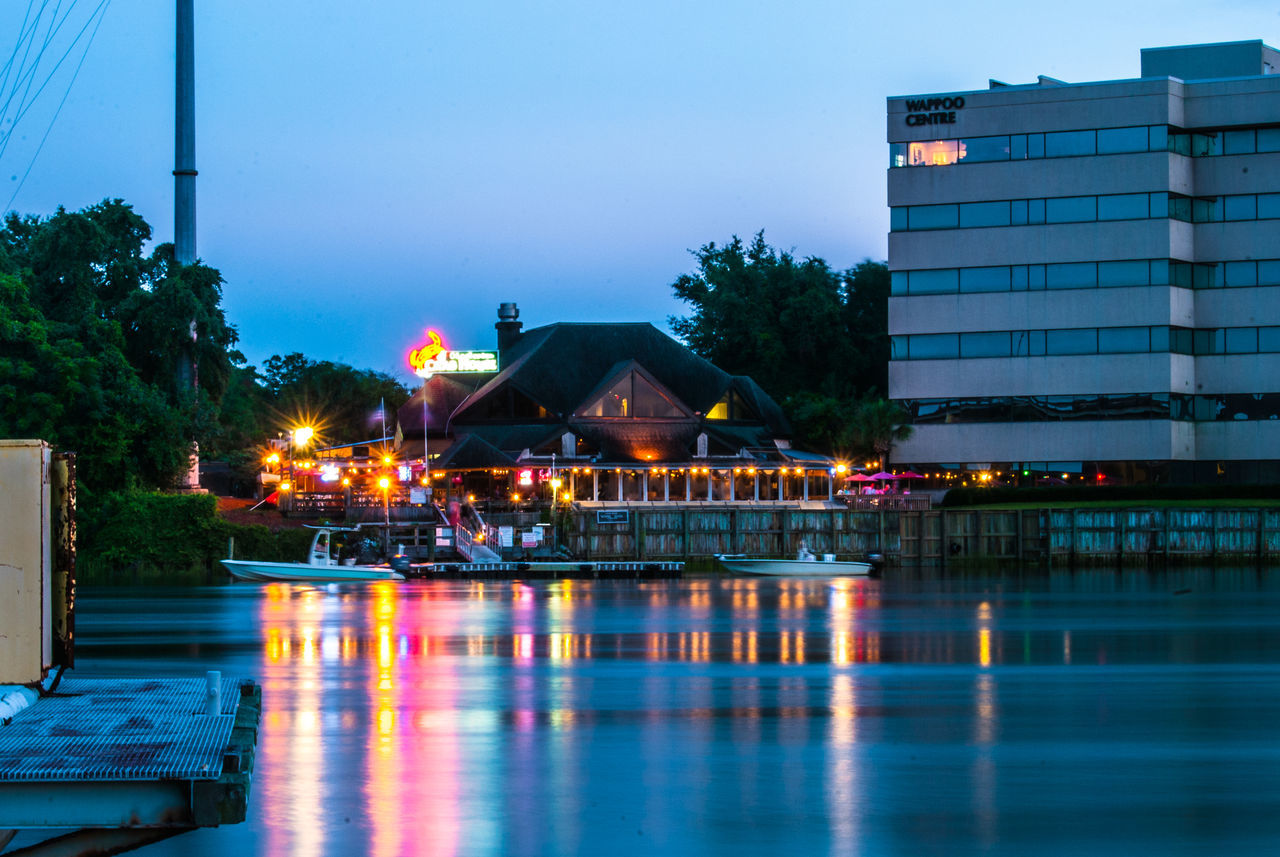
860 477
911 474
883 475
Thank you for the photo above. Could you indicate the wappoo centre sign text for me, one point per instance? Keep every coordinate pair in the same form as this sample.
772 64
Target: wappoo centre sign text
933 111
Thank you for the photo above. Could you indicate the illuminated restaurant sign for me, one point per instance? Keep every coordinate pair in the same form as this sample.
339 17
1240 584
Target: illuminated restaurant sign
434 359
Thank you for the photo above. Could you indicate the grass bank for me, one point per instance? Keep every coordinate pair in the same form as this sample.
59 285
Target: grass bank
145 537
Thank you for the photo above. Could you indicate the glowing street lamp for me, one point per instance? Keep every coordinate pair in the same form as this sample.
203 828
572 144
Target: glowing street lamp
385 484
298 437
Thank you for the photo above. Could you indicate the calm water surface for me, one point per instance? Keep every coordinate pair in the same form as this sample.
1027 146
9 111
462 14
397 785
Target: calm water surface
1086 713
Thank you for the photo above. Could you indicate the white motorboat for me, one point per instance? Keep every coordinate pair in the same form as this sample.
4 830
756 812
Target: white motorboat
320 566
805 564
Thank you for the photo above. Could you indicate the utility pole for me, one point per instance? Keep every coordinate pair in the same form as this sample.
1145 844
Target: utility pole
184 188
184 172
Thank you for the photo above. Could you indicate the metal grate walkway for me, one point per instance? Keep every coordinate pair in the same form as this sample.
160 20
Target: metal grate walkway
118 730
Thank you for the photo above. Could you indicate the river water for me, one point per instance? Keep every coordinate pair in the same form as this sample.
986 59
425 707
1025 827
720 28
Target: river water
1051 714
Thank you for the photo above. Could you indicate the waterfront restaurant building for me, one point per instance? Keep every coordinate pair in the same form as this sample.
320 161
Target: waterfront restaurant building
1086 276
612 413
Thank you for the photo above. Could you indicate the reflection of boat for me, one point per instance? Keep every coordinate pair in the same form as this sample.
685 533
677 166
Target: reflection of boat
804 565
319 568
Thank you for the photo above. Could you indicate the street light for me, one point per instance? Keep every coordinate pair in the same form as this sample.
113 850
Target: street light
385 484
298 437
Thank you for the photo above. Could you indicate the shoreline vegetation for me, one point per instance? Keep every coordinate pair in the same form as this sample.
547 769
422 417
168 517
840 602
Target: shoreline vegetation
150 537
138 536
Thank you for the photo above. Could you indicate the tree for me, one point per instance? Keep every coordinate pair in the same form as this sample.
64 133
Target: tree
91 334
866 321
814 338
341 400
763 313
876 424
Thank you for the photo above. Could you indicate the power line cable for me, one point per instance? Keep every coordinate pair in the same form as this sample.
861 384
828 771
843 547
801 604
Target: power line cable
25 42
102 8
29 74
22 37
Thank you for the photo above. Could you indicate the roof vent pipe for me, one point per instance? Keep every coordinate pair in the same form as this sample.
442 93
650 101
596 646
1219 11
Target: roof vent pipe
508 328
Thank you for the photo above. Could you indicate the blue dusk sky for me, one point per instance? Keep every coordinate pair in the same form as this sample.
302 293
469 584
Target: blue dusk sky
368 170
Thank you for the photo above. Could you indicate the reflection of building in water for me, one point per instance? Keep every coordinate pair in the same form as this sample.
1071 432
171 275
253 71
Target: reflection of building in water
292 772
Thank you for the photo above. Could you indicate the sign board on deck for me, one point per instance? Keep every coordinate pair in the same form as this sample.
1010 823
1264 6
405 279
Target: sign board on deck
530 538
613 516
506 536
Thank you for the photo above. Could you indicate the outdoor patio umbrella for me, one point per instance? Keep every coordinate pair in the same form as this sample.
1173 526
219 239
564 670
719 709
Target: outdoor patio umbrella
883 475
859 477
910 474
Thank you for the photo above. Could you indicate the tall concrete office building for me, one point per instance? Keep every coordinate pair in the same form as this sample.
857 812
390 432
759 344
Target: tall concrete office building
1086 276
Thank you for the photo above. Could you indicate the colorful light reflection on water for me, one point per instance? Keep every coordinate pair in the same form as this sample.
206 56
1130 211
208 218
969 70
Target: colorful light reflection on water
735 716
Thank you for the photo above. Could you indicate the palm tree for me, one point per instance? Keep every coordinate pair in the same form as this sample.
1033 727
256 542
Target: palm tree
876 424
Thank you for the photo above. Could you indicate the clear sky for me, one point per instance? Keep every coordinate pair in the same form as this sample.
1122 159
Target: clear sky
368 170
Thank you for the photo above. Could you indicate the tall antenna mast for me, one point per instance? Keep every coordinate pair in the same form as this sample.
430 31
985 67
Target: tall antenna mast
184 188
184 172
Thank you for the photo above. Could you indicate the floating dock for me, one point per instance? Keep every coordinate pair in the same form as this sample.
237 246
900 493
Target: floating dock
567 570
128 761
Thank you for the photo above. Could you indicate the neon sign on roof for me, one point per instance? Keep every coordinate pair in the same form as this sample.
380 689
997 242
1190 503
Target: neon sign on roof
433 358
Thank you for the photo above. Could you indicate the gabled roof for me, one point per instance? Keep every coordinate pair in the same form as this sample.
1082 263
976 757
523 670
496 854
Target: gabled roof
514 439
622 371
763 403
444 394
559 365
473 451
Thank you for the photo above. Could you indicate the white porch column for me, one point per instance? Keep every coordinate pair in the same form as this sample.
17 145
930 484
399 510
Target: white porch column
595 485
804 480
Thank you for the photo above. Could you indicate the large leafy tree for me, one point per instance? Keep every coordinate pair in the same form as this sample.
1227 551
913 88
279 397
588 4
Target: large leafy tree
340 402
761 312
99 343
816 339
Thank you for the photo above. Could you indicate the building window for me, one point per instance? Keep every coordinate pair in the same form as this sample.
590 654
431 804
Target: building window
1020 147
1085 143
1096 406
1063 342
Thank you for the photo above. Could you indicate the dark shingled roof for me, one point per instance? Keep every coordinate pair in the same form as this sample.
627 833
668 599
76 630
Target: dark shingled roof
560 364
561 367
473 451
444 394
515 438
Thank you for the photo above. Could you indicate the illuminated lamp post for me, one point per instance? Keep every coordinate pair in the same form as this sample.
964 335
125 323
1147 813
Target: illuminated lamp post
385 484
298 437
555 513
